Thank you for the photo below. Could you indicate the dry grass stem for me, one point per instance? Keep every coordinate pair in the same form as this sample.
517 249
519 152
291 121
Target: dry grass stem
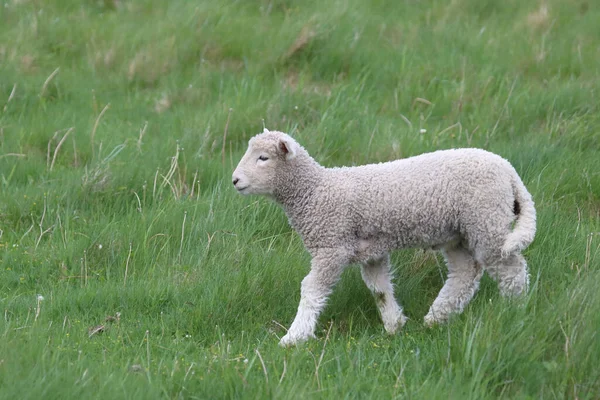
182 236
58 146
194 184
422 101
10 97
93 134
47 82
264 367
284 371
85 268
12 155
95 330
49 148
154 185
41 223
139 208
142 133
38 308
177 192
127 265
456 125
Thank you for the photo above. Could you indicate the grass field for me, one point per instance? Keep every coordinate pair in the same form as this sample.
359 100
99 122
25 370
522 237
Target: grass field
130 268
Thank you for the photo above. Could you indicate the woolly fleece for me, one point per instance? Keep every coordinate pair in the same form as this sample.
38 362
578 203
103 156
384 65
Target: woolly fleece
468 203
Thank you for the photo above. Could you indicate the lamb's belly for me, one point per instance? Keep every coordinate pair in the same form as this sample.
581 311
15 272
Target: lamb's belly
384 238
374 248
427 241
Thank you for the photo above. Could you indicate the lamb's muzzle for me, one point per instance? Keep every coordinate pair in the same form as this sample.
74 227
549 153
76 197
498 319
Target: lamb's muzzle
461 202
240 183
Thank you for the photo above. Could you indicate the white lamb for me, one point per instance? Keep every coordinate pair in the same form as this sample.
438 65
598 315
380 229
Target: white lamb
468 203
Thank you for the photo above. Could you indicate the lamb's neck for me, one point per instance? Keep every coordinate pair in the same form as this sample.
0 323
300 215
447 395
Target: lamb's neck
297 187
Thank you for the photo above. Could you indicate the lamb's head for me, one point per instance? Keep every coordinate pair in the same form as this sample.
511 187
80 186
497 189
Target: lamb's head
269 153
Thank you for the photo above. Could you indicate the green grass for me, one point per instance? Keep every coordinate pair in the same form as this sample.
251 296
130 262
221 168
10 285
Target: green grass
148 225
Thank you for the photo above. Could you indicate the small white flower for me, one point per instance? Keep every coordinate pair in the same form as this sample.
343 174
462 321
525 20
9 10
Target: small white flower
423 130
245 361
100 247
40 297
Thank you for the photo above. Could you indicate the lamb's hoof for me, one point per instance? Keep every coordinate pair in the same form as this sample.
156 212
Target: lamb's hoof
430 320
394 326
290 340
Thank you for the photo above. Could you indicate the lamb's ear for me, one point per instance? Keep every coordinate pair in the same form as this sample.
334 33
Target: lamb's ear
288 148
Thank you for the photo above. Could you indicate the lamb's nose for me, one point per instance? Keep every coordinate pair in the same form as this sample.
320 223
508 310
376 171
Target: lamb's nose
235 181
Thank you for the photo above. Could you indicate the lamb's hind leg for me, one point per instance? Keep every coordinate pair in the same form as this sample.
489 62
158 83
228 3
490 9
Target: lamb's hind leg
510 273
464 274
378 278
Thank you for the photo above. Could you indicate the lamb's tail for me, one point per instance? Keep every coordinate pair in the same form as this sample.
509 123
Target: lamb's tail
524 229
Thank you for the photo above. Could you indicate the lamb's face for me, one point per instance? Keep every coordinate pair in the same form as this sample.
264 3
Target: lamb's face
256 172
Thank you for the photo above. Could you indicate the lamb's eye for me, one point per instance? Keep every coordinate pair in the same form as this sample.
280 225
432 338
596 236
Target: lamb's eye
263 158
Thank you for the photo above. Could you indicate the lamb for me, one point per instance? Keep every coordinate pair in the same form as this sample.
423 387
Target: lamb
469 203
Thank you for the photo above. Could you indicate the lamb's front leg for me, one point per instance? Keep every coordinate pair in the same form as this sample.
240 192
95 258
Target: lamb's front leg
325 271
378 278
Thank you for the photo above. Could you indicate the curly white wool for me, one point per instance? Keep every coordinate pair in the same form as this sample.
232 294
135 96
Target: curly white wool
468 203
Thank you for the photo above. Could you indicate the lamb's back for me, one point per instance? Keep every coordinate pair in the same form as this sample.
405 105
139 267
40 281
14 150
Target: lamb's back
421 196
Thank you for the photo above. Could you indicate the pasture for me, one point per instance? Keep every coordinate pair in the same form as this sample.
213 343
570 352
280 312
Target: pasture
130 267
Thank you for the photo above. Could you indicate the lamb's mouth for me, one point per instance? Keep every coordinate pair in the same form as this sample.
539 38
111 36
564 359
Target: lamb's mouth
242 189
